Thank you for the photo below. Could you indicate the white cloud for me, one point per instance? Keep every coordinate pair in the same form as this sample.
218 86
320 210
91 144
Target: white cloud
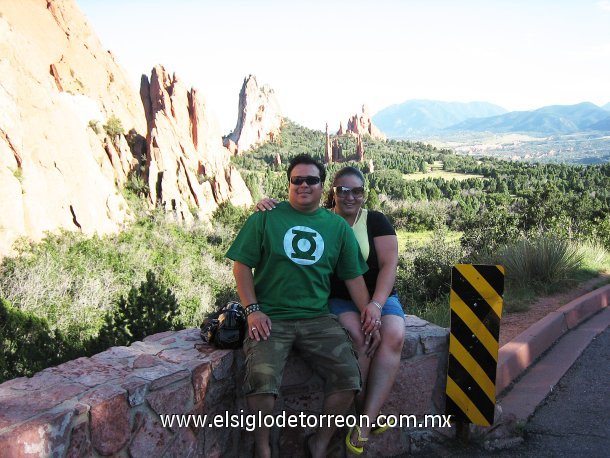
600 51
604 5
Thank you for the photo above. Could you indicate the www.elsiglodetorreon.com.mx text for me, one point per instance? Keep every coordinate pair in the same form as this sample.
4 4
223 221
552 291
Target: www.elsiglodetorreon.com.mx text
250 422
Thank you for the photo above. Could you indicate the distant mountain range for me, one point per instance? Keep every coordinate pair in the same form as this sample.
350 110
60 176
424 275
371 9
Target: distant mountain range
425 116
417 117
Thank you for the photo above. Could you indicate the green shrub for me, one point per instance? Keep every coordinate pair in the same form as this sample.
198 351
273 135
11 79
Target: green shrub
436 311
27 344
231 216
95 125
599 230
147 310
489 229
424 271
253 183
66 279
18 174
372 200
417 216
137 184
114 127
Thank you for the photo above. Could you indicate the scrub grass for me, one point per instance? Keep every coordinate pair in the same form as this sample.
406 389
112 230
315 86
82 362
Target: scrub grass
72 281
535 267
543 265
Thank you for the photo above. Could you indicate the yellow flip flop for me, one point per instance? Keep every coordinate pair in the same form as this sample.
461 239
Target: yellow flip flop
348 441
380 429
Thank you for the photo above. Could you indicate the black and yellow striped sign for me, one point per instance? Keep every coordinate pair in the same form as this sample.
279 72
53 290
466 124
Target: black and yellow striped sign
476 309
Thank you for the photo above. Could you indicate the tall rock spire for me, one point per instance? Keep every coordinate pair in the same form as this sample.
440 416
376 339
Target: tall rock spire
337 151
328 154
259 117
359 148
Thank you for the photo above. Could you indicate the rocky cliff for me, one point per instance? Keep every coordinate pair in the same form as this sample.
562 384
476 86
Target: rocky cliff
259 117
59 167
55 171
188 169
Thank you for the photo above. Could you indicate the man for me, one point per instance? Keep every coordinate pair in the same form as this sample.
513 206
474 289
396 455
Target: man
293 250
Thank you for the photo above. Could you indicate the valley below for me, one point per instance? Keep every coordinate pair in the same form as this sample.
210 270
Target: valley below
580 148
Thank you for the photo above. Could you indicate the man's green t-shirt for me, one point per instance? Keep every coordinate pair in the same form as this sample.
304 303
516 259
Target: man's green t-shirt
293 255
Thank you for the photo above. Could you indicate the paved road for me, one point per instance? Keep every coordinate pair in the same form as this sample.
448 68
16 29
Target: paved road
574 421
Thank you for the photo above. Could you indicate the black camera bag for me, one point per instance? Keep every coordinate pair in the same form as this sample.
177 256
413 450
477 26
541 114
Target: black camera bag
228 330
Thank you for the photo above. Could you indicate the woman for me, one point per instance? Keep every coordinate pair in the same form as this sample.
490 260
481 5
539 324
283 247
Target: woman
379 247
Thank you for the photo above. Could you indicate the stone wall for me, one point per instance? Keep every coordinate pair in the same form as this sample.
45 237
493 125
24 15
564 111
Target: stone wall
110 404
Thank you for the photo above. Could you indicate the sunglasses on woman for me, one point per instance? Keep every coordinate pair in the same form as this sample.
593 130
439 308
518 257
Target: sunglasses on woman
310 180
343 191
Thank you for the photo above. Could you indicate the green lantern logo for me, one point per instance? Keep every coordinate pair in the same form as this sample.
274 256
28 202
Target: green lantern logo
303 245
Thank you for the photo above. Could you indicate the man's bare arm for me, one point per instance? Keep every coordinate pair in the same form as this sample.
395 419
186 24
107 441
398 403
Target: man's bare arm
259 324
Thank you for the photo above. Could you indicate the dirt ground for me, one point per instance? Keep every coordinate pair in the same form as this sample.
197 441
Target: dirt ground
513 324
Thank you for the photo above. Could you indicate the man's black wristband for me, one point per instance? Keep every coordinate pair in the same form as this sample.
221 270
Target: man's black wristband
252 308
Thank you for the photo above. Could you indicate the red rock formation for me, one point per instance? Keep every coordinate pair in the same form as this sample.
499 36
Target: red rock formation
183 143
259 117
328 154
340 131
337 151
55 171
359 148
58 167
363 124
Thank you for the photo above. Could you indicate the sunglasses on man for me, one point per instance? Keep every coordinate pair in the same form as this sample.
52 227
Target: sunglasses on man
343 191
310 180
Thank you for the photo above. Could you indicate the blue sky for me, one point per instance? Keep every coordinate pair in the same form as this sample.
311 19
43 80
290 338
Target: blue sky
325 58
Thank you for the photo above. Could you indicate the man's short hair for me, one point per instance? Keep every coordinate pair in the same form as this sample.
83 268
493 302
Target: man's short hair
306 159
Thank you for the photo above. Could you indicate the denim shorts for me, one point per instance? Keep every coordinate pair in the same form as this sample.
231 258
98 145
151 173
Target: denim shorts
391 307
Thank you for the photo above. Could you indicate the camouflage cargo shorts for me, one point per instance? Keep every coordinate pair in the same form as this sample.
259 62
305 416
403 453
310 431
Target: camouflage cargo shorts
321 342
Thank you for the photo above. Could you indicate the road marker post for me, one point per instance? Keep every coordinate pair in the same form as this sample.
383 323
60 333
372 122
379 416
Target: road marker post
476 300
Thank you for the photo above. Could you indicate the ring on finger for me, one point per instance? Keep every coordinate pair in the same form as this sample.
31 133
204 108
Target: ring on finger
254 328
